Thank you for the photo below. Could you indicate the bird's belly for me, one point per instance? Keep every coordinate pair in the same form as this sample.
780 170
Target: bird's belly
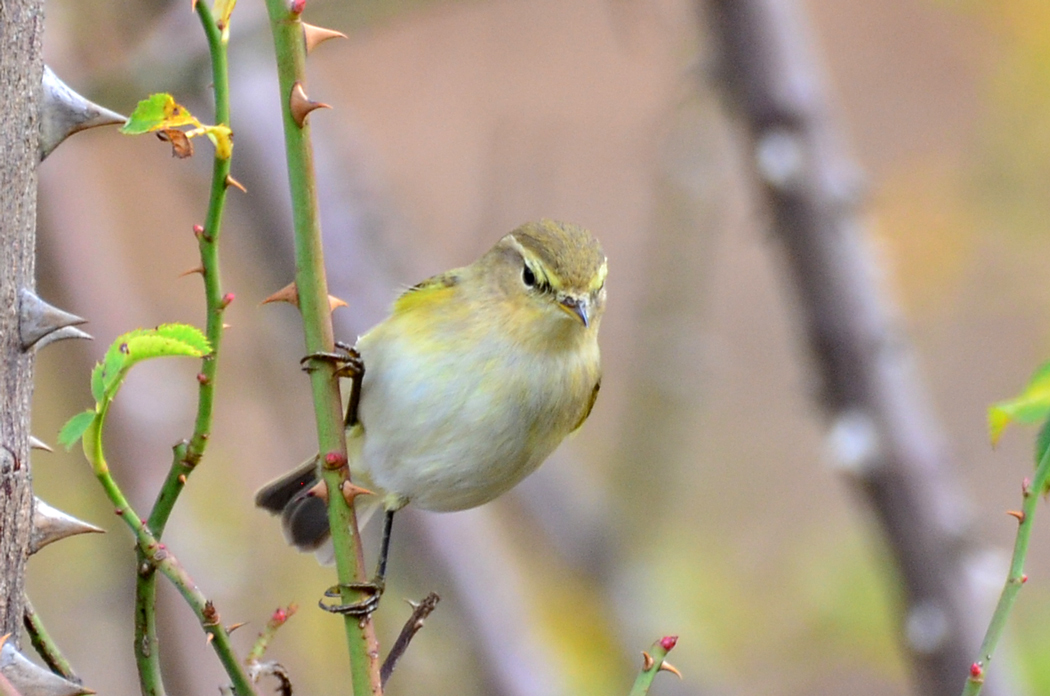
451 436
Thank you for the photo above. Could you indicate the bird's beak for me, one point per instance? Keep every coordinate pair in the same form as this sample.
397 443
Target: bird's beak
577 307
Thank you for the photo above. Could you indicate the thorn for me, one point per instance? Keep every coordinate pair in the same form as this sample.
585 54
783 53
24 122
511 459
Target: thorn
234 627
36 443
1017 514
289 293
335 303
28 678
227 326
51 524
319 490
209 637
193 5
315 35
351 491
182 479
62 334
64 112
666 666
301 105
230 181
191 271
37 318
647 661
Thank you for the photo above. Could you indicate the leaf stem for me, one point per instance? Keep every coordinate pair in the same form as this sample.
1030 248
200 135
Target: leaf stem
158 557
1031 492
290 49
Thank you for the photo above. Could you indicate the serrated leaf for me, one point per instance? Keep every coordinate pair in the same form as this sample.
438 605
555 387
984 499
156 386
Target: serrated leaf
1031 406
222 138
74 428
188 334
97 390
158 112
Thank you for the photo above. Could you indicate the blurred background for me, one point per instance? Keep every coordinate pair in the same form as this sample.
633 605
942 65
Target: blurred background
699 499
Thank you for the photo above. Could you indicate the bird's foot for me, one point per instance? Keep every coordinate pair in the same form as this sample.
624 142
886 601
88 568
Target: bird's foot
364 607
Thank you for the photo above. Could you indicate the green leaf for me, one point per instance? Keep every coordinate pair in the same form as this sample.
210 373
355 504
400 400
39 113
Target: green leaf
142 344
158 112
74 428
1031 406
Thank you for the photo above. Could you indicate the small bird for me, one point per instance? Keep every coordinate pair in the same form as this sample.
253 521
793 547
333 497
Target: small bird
476 376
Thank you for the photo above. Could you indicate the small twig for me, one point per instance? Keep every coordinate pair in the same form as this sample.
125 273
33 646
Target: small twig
45 646
277 619
652 663
420 612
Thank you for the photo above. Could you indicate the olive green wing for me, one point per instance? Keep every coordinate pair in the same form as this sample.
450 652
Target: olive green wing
590 404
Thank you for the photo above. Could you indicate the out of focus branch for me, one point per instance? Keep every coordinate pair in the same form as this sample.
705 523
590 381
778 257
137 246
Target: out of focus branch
880 428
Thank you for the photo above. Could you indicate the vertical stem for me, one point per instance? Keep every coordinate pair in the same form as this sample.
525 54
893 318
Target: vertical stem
1014 580
188 454
317 323
21 69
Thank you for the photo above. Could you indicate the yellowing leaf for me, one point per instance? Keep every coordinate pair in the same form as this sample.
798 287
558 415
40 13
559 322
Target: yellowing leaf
158 112
222 137
222 11
1031 406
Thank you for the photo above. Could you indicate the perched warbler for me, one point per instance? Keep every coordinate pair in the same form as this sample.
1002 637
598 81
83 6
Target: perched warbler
476 376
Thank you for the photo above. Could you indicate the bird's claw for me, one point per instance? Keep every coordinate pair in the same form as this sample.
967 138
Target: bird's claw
347 361
361 608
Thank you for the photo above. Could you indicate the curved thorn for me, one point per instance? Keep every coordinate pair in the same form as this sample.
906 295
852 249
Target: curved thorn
64 112
289 293
51 524
37 318
301 105
62 334
36 443
28 678
315 35
666 666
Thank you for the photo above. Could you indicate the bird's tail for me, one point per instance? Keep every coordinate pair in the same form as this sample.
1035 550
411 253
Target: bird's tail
304 516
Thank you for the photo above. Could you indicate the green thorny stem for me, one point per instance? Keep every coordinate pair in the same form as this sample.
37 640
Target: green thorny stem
157 557
312 286
1030 494
187 454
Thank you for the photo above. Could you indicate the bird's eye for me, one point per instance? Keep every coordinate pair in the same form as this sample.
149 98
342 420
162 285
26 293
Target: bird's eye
528 277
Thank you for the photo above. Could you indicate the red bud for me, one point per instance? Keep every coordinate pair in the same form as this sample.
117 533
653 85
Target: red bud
668 642
334 460
198 230
976 670
227 299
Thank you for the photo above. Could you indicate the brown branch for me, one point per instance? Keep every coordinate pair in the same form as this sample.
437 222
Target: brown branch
880 426
21 71
420 612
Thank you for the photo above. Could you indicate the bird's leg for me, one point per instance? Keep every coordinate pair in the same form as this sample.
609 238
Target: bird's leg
373 588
